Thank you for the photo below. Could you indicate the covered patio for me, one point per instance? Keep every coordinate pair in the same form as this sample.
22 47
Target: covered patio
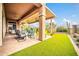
20 14
27 15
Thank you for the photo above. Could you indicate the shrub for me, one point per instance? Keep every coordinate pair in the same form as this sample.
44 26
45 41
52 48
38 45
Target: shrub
62 29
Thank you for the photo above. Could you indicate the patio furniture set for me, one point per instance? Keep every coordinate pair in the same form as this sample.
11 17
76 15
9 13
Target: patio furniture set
21 35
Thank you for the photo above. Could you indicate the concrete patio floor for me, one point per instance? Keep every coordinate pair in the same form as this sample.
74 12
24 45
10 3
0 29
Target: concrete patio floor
11 45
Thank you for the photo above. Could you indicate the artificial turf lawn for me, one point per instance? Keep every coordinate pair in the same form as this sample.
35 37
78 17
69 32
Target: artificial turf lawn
58 45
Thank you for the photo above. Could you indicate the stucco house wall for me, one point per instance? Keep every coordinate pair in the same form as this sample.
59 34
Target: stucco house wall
0 24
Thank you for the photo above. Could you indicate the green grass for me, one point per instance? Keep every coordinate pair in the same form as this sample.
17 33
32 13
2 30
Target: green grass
58 45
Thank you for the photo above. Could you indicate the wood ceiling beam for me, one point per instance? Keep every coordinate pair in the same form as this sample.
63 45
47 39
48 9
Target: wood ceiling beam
30 14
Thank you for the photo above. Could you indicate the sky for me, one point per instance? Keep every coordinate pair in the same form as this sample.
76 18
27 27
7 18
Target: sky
65 11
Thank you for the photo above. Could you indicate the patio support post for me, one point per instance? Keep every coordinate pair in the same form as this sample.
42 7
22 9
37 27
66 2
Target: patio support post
17 25
4 24
51 26
42 23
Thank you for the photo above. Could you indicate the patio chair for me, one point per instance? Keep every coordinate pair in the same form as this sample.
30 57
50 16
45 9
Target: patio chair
20 35
30 33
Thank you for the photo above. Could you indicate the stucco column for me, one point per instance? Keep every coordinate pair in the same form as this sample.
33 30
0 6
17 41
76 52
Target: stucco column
42 23
51 27
17 25
3 23
0 24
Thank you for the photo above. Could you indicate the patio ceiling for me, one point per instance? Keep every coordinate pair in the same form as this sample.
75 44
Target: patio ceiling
28 11
35 17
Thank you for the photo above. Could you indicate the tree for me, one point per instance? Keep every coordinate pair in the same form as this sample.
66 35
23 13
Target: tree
62 29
